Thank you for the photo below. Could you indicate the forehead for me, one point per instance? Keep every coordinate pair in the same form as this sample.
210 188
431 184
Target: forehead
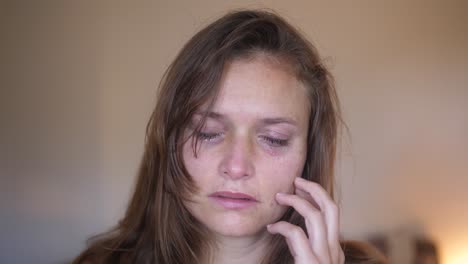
262 86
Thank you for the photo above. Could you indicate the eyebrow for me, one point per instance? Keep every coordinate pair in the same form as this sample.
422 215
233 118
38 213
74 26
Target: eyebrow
278 120
213 115
264 121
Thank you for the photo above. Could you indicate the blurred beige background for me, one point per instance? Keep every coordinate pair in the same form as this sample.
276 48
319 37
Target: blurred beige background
77 85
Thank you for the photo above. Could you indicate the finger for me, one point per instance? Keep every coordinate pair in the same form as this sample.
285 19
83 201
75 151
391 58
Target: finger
315 224
297 241
333 240
330 211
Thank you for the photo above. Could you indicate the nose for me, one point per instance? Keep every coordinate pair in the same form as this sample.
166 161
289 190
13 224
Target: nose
237 162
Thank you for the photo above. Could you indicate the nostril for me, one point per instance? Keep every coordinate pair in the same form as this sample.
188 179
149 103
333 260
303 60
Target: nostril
235 172
236 165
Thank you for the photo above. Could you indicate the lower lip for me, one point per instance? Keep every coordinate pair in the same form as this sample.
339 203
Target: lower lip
229 203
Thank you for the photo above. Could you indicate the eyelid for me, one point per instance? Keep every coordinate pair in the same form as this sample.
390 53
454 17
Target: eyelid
210 137
274 142
277 134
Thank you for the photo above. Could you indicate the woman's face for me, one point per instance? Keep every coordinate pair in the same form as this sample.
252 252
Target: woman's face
251 147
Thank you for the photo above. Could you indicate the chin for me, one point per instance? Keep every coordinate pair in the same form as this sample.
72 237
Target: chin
234 225
239 230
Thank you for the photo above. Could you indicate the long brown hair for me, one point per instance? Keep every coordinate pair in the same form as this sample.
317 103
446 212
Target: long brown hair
157 228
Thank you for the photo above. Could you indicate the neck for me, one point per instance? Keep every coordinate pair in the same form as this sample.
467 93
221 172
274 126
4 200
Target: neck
241 250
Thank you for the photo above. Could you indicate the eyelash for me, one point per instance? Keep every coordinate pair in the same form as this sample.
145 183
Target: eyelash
276 142
208 136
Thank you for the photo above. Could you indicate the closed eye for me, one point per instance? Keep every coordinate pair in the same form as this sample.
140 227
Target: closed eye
275 142
209 137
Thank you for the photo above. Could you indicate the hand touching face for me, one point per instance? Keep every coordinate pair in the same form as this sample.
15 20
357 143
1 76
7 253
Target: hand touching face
320 244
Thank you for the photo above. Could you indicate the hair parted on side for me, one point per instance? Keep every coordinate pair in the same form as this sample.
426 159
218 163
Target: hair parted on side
157 228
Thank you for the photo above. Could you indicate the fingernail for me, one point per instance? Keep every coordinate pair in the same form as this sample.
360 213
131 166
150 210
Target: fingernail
280 194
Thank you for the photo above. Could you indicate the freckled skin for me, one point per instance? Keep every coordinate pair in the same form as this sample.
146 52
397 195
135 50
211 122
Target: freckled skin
240 156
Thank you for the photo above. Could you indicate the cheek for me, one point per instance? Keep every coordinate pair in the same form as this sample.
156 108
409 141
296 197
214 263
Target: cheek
200 168
280 178
281 174
192 164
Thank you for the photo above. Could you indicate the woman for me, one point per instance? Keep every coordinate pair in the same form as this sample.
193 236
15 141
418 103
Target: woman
239 156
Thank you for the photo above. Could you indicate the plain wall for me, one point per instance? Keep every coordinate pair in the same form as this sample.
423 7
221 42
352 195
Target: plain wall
78 82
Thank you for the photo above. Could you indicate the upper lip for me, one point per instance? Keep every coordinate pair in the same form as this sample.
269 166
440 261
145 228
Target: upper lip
233 195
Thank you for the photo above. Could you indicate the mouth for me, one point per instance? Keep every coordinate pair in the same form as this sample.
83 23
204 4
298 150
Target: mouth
234 196
233 200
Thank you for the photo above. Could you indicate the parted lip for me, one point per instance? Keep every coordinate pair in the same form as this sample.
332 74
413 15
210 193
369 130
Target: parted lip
233 195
